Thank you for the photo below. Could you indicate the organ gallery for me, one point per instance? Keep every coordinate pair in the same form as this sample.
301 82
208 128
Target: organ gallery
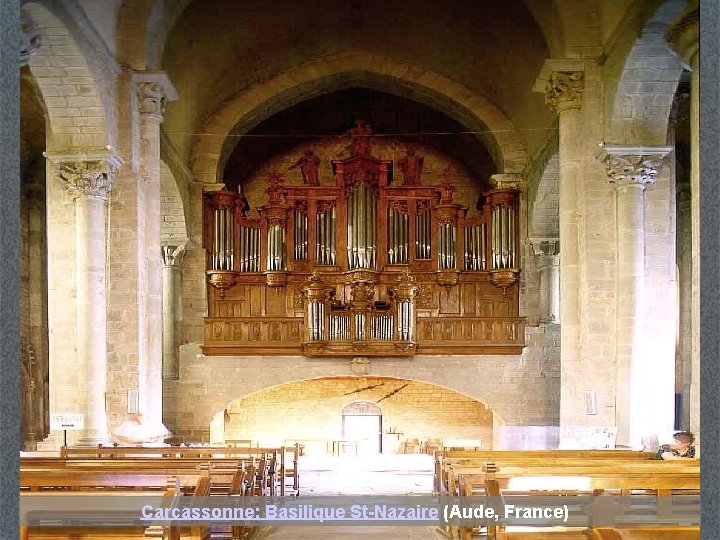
372 261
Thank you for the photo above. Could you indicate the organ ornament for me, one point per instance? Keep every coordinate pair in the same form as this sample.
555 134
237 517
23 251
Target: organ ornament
372 265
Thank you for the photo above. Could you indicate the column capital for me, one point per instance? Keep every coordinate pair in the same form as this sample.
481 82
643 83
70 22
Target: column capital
545 246
30 40
507 181
173 255
562 81
633 165
86 174
682 34
154 91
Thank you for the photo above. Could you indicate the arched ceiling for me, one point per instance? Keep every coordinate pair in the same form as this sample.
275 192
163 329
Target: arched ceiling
32 122
334 113
218 48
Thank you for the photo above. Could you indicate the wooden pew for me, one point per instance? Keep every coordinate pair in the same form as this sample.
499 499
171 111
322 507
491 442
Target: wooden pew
286 476
625 479
525 456
44 482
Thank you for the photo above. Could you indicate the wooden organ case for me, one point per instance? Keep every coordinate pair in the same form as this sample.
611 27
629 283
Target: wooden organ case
366 267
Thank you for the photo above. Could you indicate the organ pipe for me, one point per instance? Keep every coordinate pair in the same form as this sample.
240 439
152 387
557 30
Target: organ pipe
361 246
222 254
276 246
504 231
250 249
301 240
446 246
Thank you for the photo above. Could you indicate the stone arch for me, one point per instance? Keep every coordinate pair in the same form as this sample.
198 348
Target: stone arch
209 383
545 204
173 226
267 97
75 78
132 31
640 104
143 27
319 404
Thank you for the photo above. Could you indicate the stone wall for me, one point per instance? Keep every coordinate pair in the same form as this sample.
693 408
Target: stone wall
518 390
313 410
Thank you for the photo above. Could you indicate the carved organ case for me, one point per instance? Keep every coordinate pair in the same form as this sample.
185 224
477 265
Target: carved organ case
369 266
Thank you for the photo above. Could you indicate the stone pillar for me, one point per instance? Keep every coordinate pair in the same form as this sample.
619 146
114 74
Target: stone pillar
683 36
153 92
88 180
172 258
562 81
548 263
645 386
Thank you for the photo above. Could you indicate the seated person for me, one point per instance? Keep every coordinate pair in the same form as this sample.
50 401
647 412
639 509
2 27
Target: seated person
681 447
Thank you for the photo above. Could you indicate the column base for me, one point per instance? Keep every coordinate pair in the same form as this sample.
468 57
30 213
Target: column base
92 441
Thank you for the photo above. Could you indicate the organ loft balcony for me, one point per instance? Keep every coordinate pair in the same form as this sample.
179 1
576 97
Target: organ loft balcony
369 265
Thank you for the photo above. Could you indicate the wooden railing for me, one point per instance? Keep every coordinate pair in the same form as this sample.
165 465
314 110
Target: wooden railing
433 335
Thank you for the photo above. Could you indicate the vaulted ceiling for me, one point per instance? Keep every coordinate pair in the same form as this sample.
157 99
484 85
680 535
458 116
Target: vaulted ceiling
218 48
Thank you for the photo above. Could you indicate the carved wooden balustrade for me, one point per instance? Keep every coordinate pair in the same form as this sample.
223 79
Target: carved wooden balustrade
364 267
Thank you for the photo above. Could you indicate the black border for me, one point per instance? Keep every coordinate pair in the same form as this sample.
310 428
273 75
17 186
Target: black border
709 268
9 265
709 241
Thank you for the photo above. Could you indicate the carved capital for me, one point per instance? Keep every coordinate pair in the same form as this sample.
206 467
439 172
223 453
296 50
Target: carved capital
564 90
29 38
88 178
154 91
507 181
632 165
543 247
173 255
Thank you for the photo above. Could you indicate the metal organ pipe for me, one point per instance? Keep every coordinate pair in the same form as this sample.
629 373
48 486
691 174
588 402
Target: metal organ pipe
333 235
391 228
511 236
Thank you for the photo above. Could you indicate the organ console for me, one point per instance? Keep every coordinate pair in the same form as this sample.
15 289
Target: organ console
365 267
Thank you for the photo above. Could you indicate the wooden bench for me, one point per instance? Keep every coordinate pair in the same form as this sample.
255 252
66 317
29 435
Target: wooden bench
285 476
75 480
82 485
526 456
658 477
447 475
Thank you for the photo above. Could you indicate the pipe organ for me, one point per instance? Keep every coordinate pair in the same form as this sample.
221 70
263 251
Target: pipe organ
365 265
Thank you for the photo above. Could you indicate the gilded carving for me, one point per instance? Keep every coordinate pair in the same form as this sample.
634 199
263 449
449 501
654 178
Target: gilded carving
425 299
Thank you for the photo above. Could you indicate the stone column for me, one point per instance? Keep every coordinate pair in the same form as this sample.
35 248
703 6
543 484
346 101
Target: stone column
645 401
548 263
562 81
172 258
89 180
683 35
153 92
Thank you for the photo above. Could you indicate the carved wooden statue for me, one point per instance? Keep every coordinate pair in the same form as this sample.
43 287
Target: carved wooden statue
360 139
308 164
411 167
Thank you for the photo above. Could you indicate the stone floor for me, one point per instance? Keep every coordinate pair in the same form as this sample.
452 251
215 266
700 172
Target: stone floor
388 474
381 474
